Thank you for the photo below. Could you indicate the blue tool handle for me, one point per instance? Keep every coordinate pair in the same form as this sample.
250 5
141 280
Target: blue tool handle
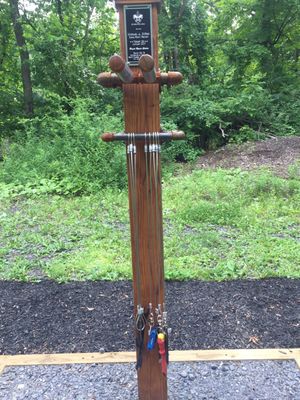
152 339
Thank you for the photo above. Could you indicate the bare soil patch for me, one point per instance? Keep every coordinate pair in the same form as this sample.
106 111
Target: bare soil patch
276 154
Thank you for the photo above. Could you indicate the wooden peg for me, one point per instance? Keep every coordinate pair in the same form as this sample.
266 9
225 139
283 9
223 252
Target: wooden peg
109 80
146 63
121 68
170 78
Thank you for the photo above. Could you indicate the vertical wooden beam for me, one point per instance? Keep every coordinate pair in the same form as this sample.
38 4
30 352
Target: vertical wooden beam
142 115
155 33
141 105
122 31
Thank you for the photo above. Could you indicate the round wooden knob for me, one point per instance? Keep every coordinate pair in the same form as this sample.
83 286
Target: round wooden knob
116 63
119 66
108 137
146 63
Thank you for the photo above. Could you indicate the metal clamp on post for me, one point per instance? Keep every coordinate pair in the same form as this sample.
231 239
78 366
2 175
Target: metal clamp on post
131 149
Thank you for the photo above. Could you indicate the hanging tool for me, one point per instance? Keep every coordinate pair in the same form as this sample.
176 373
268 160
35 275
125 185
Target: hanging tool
162 352
140 329
152 338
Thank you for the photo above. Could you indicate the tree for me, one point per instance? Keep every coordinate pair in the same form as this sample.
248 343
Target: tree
183 36
256 37
24 57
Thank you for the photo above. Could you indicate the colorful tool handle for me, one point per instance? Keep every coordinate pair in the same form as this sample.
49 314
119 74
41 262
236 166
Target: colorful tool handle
152 338
162 351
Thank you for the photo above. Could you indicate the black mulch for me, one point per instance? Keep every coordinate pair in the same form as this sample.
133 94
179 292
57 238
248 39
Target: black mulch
48 317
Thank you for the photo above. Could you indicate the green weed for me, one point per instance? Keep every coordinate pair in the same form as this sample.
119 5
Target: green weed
218 225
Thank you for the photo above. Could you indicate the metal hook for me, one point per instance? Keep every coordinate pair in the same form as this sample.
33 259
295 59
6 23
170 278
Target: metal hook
140 321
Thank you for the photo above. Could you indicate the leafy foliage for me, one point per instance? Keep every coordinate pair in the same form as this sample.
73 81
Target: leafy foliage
240 60
70 159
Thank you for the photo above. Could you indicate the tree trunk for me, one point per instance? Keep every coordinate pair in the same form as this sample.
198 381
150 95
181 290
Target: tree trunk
267 59
175 59
24 57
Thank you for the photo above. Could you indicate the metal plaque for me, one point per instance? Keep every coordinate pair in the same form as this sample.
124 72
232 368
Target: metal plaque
138 32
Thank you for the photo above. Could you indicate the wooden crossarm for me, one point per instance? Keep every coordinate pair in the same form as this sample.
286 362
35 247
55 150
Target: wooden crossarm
111 80
124 137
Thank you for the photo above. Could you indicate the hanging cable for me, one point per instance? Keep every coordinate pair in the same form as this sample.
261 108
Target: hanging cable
158 331
148 211
140 314
162 337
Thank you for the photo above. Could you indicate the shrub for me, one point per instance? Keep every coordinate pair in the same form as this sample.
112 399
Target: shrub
214 114
65 154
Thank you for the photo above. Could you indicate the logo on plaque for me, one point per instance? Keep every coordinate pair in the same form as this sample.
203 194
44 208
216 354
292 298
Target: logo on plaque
138 17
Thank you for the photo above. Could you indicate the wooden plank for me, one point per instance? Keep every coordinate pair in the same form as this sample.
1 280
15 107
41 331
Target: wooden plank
129 357
68 358
234 355
2 366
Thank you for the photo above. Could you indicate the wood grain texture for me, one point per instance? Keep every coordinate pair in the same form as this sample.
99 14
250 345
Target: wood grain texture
155 34
234 355
122 32
129 357
142 114
141 107
68 358
109 80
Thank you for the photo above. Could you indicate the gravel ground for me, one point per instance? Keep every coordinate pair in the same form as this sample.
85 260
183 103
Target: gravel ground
247 380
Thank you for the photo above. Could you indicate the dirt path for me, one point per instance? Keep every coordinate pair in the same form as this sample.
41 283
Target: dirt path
278 154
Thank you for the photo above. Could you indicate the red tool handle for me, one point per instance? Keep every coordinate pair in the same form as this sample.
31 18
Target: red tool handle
162 351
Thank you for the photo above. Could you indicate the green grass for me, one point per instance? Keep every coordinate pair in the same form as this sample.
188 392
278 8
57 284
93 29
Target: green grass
218 225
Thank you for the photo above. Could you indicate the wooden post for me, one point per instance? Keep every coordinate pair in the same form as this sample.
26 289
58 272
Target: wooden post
142 114
139 36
